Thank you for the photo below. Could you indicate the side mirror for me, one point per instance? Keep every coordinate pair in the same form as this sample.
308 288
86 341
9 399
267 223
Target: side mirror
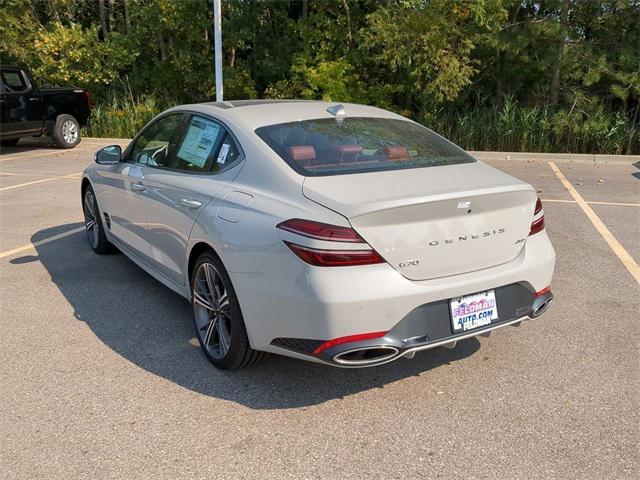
109 155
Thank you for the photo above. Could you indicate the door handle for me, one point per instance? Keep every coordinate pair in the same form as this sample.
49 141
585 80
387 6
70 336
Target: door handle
190 203
34 99
138 187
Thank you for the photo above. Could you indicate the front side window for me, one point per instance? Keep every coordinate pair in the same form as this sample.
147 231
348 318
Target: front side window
13 81
359 144
156 146
188 143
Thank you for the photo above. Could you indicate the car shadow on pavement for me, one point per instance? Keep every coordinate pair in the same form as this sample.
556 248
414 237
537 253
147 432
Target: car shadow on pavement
27 145
151 326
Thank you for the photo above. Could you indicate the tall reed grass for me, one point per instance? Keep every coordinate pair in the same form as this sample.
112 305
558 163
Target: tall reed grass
513 128
517 128
122 116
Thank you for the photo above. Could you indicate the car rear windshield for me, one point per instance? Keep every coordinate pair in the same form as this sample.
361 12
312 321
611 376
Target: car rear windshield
359 144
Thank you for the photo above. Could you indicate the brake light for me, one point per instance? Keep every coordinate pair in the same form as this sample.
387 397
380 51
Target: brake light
538 223
335 258
321 231
339 256
537 226
538 208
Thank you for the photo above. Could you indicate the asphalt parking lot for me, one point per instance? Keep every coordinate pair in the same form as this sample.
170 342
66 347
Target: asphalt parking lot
101 377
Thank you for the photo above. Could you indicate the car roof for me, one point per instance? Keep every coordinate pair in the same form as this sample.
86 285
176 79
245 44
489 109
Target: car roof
252 114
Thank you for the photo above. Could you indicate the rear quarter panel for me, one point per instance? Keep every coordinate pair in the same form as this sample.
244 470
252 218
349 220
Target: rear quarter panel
69 101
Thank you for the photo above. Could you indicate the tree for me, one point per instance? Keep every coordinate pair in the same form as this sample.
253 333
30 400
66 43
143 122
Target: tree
424 48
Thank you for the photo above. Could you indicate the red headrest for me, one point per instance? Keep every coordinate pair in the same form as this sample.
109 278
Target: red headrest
396 153
350 149
302 153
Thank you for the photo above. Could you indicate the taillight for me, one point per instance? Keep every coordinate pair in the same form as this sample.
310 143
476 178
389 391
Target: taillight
89 98
538 208
538 219
335 258
321 231
329 257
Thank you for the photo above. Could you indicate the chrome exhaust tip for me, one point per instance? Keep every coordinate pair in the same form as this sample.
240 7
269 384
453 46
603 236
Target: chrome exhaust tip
541 306
366 355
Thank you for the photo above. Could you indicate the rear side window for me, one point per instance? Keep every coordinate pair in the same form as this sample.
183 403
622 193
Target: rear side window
359 144
13 81
227 155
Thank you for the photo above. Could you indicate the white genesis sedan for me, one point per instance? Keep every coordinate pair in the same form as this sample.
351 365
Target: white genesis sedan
341 234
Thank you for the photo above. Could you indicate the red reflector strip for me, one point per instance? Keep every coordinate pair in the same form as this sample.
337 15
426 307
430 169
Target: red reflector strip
348 339
320 231
335 258
543 292
537 226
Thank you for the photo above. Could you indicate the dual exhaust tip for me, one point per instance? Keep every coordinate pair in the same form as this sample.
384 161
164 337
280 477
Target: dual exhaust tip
375 354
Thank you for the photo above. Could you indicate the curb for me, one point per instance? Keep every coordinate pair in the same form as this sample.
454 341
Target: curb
558 157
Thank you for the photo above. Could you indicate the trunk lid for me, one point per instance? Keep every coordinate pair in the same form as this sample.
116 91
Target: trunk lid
436 221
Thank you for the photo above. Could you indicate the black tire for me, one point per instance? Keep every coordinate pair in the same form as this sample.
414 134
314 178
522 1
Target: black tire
93 223
239 353
10 142
66 132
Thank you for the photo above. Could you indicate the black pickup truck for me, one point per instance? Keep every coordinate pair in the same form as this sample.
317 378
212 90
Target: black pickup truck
28 111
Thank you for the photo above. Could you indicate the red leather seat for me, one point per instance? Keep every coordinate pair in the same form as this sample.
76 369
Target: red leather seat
349 152
396 153
303 154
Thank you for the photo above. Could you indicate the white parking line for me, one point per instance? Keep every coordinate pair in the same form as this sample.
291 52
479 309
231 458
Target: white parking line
626 259
20 185
615 204
33 245
44 154
20 157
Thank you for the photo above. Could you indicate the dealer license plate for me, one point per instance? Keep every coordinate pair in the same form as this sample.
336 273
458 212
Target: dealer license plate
473 311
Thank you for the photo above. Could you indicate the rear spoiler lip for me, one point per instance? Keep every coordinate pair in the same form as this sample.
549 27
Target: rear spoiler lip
355 211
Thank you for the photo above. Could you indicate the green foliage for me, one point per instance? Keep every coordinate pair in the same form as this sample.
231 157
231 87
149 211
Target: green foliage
73 55
325 80
425 47
18 28
121 116
516 128
494 74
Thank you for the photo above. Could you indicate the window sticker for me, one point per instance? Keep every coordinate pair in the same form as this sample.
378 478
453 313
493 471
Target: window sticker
224 151
199 141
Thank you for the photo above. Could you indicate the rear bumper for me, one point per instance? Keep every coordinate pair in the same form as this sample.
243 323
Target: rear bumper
428 326
307 306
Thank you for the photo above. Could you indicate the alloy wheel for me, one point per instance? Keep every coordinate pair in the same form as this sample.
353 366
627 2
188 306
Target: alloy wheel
90 219
212 310
69 131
